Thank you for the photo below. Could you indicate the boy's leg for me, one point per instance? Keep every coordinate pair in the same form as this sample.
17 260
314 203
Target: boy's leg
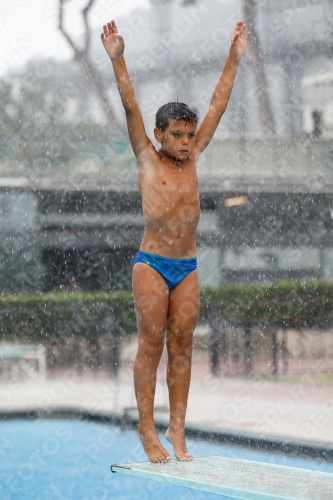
151 298
182 317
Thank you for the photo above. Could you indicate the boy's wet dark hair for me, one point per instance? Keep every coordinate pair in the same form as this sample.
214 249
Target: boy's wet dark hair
174 111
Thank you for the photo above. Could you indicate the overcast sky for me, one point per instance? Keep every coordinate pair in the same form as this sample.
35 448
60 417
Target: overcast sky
28 28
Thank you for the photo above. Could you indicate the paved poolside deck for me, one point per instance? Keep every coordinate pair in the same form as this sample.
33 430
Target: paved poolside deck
299 410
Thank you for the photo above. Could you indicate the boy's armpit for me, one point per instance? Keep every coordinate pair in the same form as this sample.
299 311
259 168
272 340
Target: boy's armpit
147 156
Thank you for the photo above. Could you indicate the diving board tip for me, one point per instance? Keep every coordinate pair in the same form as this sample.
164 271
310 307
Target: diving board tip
236 478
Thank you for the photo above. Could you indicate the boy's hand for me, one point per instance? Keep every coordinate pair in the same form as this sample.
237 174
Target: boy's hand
112 41
238 41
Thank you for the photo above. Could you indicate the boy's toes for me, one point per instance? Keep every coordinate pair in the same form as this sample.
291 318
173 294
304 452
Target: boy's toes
162 458
185 457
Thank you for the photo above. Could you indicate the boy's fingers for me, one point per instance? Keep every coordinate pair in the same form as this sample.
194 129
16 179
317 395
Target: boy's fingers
105 28
114 27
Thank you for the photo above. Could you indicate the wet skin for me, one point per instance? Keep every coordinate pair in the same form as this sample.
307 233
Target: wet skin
171 210
170 197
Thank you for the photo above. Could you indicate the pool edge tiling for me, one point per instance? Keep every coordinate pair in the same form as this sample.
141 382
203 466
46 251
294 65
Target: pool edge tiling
286 446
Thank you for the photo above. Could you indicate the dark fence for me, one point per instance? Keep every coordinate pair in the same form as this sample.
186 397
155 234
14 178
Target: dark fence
246 321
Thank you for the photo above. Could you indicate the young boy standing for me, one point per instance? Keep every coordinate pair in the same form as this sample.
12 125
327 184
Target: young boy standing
165 280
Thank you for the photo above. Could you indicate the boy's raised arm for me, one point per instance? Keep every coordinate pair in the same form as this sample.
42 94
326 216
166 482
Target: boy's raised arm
222 92
114 46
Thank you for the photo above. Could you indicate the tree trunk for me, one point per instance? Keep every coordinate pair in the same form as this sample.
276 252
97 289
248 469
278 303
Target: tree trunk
265 110
81 56
97 88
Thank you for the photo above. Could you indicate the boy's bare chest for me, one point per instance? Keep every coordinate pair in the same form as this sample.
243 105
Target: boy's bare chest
171 186
171 195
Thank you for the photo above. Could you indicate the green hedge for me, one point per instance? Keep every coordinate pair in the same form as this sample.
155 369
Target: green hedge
285 304
45 315
293 304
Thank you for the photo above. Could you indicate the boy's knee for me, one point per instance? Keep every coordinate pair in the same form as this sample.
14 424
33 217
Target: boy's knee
151 346
180 344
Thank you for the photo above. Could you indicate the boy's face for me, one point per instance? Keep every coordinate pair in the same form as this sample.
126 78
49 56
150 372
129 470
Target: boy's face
177 139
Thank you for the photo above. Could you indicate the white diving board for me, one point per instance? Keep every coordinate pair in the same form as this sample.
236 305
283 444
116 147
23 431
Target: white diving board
239 479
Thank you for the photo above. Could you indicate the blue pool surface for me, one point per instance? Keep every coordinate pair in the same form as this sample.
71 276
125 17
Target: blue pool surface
70 460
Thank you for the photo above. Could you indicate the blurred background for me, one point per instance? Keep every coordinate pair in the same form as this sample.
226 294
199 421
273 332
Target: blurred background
71 218
71 224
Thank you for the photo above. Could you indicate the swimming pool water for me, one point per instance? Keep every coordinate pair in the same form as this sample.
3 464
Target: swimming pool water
70 460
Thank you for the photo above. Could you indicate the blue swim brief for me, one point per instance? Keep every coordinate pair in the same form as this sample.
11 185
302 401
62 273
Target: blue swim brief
172 270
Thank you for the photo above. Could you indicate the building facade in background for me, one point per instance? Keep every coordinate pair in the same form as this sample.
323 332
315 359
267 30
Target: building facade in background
267 203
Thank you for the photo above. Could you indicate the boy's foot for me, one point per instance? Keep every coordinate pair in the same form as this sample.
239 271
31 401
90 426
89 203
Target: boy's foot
153 447
177 439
